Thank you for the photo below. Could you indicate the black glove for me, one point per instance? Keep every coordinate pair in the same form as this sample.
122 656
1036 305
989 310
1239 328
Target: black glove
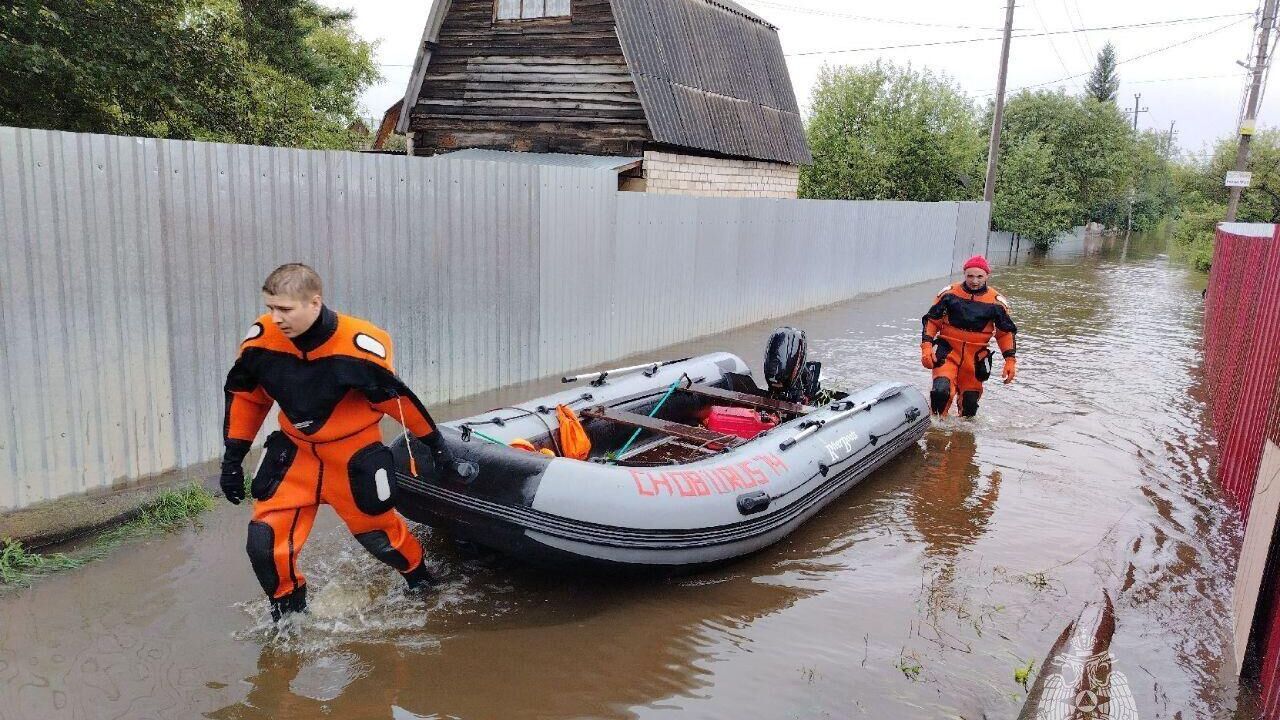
445 460
232 480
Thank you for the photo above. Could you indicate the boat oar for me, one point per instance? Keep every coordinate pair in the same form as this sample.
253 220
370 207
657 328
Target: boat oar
652 412
846 409
650 368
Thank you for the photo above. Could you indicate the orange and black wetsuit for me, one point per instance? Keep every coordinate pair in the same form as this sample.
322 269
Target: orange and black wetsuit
960 326
333 382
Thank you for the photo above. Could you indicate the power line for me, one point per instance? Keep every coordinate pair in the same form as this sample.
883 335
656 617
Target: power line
1090 55
1185 77
865 18
1135 57
989 92
1157 23
1052 45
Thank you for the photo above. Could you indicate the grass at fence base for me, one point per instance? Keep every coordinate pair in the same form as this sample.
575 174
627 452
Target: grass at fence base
18 565
168 511
172 509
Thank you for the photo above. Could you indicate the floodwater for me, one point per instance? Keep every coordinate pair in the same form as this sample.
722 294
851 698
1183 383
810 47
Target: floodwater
916 595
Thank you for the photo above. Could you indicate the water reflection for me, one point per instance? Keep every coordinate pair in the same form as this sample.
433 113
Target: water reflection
953 501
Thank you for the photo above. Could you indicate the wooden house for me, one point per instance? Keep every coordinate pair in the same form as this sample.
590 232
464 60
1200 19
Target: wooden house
697 89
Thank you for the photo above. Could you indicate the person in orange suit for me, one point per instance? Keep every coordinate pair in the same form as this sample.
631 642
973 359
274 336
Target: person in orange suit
333 378
956 340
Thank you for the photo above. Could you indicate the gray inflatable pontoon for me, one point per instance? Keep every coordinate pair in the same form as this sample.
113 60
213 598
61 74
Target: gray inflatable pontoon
682 495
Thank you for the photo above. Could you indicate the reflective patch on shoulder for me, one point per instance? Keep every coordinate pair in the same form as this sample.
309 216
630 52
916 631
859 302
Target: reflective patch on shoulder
1001 299
255 332
945 290
371 346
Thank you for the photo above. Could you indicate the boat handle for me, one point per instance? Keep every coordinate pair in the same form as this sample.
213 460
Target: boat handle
752 503
650 368
842 415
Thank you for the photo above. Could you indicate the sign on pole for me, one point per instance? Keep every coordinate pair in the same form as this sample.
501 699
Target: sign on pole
1236 178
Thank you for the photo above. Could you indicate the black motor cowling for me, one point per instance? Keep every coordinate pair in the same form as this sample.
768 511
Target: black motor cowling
786 374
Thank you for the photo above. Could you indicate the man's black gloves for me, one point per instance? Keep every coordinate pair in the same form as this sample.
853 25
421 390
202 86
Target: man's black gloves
444 459
232 480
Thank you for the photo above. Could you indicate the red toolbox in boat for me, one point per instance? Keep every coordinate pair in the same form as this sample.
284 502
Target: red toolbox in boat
743 422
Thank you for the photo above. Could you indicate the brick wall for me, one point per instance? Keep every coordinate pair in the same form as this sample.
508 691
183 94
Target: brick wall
672 174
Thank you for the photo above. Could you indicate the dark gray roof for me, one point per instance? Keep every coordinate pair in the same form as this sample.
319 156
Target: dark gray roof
711 76
734 7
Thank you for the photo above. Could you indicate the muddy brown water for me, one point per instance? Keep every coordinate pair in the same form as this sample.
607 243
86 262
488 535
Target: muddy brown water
916 595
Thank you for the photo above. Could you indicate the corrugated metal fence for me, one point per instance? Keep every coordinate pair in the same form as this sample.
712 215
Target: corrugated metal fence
1242 369
129 271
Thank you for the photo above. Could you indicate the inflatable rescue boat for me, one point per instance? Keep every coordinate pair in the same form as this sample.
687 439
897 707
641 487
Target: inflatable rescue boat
690 462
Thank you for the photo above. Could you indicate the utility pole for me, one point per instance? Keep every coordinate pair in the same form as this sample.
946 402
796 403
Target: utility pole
1251 107
993 150
1136 99
1137 108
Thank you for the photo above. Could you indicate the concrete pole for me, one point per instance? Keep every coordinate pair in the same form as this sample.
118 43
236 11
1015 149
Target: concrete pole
993 151
1251 107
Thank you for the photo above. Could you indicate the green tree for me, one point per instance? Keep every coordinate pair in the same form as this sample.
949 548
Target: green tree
1202 196
1091 146
1260 202
268 72
884 132
1103 82
1031 199
1155 196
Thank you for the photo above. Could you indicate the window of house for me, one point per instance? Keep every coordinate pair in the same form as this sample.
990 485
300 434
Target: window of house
532 9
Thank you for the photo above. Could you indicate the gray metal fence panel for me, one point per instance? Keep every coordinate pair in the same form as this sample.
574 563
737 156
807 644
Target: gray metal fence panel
130 269
972 220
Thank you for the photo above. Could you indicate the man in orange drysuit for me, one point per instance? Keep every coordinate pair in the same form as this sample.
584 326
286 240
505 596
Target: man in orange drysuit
332 376
957 331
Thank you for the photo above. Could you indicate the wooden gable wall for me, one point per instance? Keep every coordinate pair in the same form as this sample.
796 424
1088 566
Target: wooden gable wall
549 85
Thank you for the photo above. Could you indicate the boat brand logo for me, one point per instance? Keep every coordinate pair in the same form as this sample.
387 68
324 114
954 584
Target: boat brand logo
842 446
715 480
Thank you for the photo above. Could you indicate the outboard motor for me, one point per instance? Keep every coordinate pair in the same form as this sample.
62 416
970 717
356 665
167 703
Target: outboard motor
786 374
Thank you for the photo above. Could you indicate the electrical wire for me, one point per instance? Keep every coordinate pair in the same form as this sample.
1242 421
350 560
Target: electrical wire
1178 44
991 91
1266 71
1045 33
866 18
1090 55
1174 79
1052 45
1240 17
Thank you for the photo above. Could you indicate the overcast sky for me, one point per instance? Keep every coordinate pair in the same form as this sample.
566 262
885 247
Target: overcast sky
1197 83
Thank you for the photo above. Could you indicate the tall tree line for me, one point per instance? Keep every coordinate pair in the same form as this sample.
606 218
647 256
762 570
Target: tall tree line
882 131
269 72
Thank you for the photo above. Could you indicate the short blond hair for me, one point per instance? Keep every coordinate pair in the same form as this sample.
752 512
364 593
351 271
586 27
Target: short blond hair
294 280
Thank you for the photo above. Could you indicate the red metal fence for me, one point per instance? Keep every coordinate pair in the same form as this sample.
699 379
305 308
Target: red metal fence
1242 369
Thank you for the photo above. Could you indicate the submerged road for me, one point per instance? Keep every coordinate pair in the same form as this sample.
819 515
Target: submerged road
916 595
